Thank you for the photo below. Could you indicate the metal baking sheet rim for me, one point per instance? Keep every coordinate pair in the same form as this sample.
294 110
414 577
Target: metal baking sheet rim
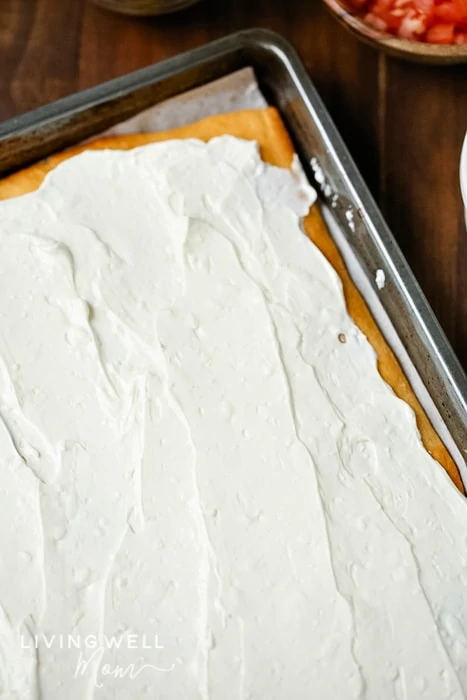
45 130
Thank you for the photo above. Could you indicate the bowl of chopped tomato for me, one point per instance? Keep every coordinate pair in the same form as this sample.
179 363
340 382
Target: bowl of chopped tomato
426 30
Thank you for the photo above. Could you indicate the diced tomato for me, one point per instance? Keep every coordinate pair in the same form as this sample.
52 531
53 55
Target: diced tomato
384 21
394 20
448 12
424 6
413 25
434 21
376 22
444 12
441 34
382 7
461 10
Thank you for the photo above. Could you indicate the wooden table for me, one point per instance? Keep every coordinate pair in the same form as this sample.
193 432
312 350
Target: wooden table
403 123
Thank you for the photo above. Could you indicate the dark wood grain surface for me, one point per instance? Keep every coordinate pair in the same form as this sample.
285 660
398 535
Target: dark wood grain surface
404 123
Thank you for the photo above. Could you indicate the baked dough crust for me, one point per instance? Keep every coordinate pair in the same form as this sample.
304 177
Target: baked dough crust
266 127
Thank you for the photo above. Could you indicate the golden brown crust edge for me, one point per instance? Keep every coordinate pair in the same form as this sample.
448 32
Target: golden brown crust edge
266 127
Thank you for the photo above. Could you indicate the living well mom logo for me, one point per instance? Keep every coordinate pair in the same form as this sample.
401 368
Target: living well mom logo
91 650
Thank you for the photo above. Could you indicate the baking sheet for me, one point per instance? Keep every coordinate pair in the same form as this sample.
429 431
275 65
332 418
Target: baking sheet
240 91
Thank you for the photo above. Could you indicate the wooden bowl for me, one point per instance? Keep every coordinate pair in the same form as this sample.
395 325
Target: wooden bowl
403 48
145 7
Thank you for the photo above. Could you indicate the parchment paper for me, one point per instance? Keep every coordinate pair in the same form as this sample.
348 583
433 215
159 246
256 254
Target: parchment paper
240 91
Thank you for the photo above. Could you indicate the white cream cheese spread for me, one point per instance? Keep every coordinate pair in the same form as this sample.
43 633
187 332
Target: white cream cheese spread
207 491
